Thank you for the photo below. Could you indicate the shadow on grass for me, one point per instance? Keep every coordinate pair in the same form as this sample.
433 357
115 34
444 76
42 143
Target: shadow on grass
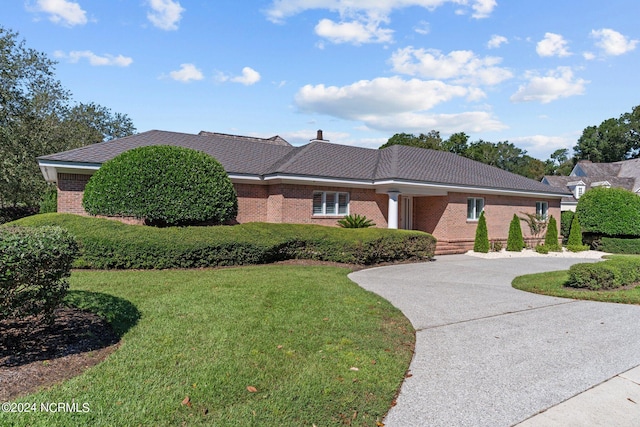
121 314
91 321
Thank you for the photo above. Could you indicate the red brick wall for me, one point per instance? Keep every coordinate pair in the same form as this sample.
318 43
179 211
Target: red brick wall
443 216
70 191
446 216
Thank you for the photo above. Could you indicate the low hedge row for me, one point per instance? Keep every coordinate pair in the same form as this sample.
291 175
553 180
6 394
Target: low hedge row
107 244
611 274
619 246
34 264
8 214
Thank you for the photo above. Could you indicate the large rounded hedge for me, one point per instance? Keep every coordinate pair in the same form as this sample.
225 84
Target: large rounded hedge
163 184
609 212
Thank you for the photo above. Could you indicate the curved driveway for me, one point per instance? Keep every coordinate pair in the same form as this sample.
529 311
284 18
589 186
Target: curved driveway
490 355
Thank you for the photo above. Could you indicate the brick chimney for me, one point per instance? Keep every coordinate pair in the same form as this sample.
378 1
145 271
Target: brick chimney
319 137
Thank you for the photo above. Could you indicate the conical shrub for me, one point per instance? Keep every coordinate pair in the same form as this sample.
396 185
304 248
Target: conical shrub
551 238
481 243
574 243
515 241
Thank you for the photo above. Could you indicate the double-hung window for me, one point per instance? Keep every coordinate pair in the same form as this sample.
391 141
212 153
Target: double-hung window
330 203
542 209
475 206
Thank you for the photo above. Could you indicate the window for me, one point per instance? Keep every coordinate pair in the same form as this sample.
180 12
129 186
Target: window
579 191
475 206
330 203
542 209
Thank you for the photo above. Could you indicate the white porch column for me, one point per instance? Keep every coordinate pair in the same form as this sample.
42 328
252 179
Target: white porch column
392 221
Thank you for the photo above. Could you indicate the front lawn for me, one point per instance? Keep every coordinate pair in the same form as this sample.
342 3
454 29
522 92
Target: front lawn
264 345
553 284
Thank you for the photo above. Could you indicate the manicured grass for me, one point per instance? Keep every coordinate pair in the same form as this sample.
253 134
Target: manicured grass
553 284
295 333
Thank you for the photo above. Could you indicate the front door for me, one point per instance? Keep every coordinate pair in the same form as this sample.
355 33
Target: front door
406 213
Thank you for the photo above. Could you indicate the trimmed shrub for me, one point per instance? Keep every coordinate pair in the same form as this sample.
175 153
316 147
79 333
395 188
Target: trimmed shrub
34 265
551 237
605 275
515 241
49 202
620 246
107 244
481 243
165 185
609 212
566 217
542 249
574 242
355 221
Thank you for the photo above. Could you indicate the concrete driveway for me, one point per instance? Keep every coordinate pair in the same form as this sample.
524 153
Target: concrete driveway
490 355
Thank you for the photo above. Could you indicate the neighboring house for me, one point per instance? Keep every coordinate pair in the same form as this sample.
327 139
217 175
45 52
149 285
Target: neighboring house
318 183
586 174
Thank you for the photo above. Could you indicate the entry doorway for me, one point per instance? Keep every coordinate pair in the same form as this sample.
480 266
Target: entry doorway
406 213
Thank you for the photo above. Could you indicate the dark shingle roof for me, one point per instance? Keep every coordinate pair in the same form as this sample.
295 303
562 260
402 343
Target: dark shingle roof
252 156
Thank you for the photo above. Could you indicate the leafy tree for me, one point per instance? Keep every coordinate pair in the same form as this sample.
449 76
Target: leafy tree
559 163
481 243
457 143
613 140
431 140
515 241
38 118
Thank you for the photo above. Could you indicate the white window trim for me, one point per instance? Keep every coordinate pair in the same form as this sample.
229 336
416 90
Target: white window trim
545 209
337 195
475 205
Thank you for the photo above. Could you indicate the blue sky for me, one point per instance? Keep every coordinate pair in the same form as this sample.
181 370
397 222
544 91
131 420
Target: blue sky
533 72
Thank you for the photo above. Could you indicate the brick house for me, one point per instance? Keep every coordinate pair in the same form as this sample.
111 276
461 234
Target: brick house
320 182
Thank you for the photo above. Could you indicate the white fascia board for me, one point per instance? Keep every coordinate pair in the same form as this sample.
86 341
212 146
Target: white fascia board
51 168
463 189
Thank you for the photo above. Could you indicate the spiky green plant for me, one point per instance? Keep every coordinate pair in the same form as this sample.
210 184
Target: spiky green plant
355 221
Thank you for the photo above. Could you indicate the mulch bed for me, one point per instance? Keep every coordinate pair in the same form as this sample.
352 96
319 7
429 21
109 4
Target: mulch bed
32 357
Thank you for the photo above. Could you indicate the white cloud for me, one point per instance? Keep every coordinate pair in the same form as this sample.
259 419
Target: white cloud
355 32
282 9
423 28
483 8
589 56
541 146
165 14
552 45
558 83
64 12
612 42
461 65
186 73
95 60
394 104
248 77
496 41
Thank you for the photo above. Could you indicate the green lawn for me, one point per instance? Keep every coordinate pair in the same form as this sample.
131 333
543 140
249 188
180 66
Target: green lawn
295 333
553 284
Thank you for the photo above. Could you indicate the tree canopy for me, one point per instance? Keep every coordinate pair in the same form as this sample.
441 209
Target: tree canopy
611 141
38 117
